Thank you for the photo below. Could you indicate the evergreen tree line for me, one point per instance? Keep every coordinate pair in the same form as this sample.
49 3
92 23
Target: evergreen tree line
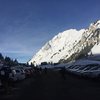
8 61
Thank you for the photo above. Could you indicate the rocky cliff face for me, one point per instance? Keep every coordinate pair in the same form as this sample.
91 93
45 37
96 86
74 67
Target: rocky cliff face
69 45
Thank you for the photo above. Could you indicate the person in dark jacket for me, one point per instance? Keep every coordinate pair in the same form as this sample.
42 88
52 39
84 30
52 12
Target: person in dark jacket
45 70
63 72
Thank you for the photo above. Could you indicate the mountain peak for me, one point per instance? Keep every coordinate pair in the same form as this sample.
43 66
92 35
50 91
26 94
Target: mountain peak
68 45
96 23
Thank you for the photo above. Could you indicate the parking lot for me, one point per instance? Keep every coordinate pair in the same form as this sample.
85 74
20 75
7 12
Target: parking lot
52 86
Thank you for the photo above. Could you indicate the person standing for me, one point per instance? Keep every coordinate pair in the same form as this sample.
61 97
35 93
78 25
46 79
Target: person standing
63 72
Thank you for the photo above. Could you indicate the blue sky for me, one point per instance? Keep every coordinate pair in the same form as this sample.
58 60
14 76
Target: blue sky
26 25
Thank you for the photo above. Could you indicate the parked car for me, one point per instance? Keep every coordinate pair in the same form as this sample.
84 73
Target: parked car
28 71
17 74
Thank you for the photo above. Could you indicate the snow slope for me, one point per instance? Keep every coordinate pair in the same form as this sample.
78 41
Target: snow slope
96 49
70 45
56 48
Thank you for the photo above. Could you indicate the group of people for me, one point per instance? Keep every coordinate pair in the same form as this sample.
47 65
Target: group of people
39 71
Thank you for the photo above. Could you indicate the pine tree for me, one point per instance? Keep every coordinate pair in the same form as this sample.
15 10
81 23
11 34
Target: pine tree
8 61
15 62
1 57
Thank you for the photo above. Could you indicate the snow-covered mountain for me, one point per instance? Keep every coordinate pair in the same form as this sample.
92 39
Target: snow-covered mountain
70 45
